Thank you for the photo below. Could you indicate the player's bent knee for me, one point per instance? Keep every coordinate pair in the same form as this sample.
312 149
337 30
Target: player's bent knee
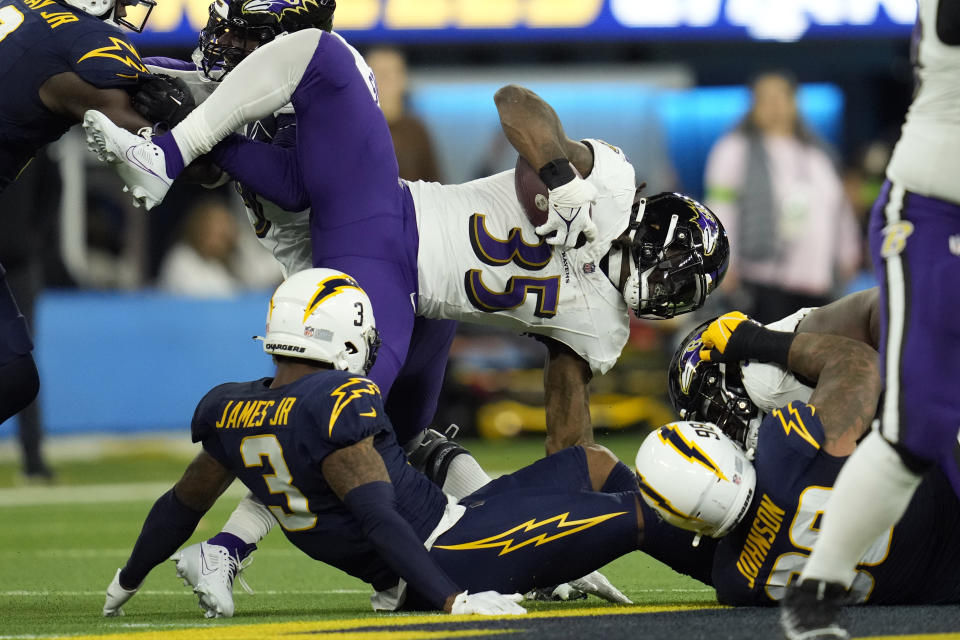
600 462
20 383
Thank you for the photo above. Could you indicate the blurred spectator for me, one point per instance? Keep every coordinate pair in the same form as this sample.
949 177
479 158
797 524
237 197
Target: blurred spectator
411 140
793 236
29 209
199 264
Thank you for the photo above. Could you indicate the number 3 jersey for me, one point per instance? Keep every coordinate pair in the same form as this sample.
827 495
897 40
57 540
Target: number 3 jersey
275 441
480 261
916 562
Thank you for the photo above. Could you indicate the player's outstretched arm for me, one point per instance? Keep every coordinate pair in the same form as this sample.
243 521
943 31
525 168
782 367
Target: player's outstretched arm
856 316
358 476
534 129
566 397
69 95
170 523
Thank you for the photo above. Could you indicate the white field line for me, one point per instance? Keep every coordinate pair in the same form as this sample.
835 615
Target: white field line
94 493
265 592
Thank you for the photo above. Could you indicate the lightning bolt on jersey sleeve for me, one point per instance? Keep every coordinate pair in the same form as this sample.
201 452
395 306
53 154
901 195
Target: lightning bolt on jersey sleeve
481 261
38 40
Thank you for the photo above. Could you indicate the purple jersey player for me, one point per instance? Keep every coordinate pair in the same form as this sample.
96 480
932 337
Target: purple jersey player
915 243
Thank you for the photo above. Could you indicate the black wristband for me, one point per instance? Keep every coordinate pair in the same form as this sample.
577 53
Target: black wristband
760 343
557 173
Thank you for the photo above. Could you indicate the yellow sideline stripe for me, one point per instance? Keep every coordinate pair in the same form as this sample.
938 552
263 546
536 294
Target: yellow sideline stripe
294 629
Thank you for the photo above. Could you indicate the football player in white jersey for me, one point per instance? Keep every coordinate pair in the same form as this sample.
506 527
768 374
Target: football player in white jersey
664 257
915 244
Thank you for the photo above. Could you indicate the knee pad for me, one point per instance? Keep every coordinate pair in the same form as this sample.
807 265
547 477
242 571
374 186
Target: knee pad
432 452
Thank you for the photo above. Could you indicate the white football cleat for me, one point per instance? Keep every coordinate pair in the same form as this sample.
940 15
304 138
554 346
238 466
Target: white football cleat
214 570
138 161
117 596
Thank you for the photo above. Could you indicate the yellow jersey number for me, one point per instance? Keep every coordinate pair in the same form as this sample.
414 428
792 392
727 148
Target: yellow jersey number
297 516
10 19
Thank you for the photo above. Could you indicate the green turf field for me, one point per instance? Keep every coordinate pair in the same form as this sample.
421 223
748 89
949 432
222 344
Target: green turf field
59 548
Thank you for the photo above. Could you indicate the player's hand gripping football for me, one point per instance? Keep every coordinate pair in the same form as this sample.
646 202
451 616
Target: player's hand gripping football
568 214
164 100
488 603
733 337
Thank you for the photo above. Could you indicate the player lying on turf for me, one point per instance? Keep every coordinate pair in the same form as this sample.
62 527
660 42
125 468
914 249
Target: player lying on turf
464 254
766 513
314 444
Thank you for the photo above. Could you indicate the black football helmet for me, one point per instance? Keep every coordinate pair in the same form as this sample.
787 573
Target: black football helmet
707 391
679 255
236 27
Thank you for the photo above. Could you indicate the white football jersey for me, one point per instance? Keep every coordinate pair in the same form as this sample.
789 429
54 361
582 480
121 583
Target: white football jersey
480 261
925 159
771 386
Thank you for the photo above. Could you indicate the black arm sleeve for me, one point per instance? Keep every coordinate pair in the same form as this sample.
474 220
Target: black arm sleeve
169 524
374 505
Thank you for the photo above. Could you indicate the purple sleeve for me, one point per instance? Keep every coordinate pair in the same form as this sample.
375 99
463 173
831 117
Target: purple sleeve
374 505
270 170
170 63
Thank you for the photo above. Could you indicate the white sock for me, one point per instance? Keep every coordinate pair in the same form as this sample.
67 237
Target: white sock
251 521
870 495
464 476
260 85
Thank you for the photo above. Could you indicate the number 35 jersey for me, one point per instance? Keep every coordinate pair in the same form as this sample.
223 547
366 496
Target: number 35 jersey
480 261
915 562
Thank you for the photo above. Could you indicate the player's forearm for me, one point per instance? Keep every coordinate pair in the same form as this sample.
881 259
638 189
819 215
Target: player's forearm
848 385
567 399
169 524
374 506
530 124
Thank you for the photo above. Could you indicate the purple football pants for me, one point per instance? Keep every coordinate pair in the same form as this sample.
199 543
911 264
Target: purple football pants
915 244
363 223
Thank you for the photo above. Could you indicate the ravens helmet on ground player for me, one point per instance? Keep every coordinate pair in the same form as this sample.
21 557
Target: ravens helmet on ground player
236 28
679 255
697 478
322 315
712 391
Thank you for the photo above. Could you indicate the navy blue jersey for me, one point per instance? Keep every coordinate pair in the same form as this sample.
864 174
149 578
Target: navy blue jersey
40 39
915 562
275 440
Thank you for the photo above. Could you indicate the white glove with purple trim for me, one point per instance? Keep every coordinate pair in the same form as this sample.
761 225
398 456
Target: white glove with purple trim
568 214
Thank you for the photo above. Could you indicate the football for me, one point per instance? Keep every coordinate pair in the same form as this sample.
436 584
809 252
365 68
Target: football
531 192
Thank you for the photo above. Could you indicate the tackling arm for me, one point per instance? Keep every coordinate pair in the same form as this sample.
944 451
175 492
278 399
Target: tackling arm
533 128
855 316
848 386
69 95
567 398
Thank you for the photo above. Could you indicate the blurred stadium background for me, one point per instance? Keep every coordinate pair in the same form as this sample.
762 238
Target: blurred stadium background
122 360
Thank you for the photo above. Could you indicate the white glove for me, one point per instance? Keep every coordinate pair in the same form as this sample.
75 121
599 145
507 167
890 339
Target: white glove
568 214
117 596
595 583
488 603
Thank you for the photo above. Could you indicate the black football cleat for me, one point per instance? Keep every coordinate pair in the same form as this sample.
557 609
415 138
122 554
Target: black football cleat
811 611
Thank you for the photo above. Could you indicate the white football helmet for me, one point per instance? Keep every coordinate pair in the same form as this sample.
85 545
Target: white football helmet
696 477
324 315
100 9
